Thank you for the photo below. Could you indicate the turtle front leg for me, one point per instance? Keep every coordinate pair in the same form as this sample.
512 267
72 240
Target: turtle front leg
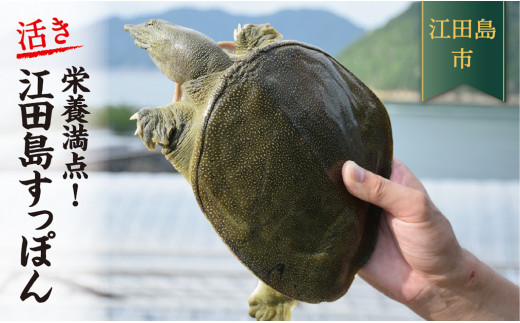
266 304
154 125
168 126
159 125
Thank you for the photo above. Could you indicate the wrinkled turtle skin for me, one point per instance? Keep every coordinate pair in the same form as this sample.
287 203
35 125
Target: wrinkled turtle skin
273 130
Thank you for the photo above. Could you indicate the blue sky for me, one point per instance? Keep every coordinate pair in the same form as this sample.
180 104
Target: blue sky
366 14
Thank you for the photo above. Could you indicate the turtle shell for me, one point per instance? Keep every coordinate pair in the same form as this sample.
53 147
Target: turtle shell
267 168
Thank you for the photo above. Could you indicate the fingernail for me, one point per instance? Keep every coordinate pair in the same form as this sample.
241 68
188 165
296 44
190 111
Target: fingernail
357 173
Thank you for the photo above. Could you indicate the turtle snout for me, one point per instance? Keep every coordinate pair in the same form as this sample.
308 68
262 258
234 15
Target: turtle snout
140 35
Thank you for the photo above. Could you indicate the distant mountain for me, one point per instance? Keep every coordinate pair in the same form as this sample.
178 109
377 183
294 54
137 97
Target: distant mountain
389 58
317 27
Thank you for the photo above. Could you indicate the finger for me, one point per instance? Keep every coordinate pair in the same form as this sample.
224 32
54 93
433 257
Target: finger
400 201
177 95
229 45
403 175
387 269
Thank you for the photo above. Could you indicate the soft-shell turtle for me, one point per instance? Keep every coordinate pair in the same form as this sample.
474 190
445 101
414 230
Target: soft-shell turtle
261 134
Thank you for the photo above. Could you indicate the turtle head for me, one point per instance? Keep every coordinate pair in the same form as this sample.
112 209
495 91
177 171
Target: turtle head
181 53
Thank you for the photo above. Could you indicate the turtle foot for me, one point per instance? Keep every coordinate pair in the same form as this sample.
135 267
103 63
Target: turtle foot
254 36
266 304
154 126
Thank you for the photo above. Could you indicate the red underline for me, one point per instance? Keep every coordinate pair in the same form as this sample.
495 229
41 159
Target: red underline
45 52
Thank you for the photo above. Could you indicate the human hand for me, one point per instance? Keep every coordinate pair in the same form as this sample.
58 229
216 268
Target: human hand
418 260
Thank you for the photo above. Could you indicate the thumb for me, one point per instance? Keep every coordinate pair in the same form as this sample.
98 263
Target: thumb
394 198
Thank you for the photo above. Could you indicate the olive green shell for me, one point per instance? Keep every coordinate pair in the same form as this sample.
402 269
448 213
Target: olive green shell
267 168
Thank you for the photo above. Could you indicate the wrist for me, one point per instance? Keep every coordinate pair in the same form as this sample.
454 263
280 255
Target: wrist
459 292
444 294
473 291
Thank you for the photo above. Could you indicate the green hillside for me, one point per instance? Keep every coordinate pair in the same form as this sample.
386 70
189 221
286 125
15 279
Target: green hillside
389 58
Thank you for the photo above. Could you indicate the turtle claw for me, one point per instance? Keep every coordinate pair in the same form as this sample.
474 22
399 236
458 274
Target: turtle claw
139 130
135 116
236 32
